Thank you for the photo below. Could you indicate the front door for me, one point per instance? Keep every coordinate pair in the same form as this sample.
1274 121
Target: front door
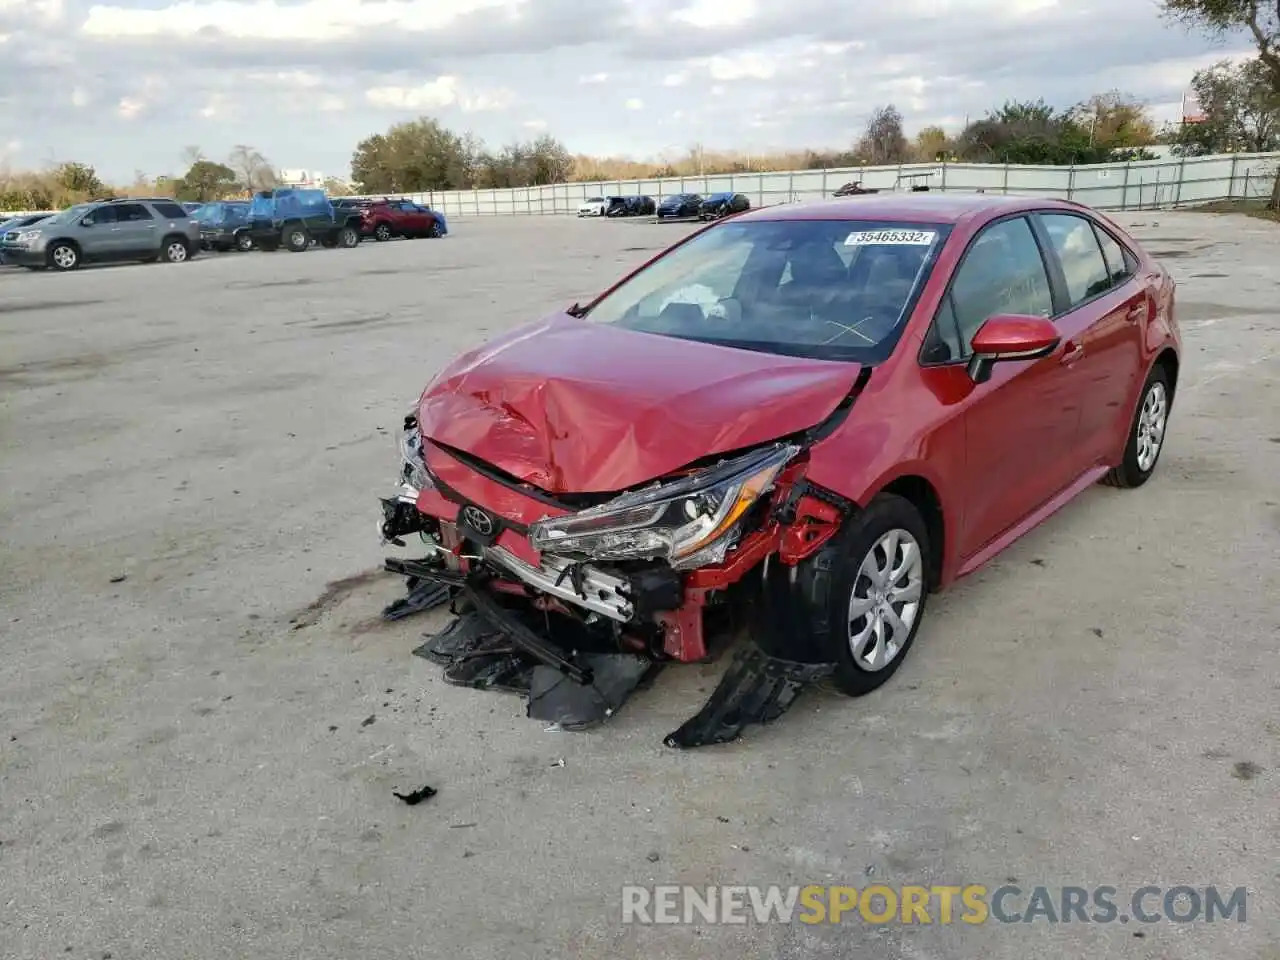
135 231
97 235
1019 425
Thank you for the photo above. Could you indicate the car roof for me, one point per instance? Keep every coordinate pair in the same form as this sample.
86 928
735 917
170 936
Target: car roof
907 207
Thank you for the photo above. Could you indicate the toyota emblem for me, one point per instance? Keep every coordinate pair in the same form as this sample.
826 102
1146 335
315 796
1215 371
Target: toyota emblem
477 520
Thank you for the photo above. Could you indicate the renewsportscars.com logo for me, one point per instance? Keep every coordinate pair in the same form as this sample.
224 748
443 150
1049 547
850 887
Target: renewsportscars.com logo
973 904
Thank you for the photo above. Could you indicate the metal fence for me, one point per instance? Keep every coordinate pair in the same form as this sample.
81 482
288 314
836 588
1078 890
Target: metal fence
1140 185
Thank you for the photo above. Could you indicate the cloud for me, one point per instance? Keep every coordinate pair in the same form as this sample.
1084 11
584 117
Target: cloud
752 74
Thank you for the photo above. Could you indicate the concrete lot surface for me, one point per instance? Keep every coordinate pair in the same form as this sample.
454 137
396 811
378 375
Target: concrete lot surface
202 719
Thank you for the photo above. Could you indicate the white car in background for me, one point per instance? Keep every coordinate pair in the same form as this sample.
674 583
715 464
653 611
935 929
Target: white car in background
592 207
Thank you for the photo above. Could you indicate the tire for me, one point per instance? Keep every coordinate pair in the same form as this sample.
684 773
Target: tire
175 250
295 238
1146 437
348 238
64 255
435 233
329 243
244 242
382 232
834 610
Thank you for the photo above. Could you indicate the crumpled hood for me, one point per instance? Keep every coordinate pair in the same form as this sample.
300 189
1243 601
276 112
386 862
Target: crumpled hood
577 407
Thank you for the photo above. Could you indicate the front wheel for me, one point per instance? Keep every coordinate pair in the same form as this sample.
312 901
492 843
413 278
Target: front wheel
435 232
244 242
64 256
1146 435
382 232
870 588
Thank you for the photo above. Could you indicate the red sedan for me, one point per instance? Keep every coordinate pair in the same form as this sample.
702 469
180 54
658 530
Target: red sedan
802 421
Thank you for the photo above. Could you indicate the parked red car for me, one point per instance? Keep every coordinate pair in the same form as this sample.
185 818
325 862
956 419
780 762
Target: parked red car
386 219
803 420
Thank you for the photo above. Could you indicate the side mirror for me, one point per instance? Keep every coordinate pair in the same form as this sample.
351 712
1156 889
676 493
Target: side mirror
87 222
1010 337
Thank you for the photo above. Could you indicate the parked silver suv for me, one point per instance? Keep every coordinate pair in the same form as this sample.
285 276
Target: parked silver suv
141 229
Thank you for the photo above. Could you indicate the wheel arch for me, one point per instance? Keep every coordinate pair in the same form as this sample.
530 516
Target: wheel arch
1168 360
920 492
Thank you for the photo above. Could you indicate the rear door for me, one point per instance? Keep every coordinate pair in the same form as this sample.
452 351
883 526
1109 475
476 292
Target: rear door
1103 319
135 231
1019 425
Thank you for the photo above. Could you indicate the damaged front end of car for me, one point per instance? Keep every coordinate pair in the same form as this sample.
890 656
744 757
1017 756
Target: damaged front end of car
576 601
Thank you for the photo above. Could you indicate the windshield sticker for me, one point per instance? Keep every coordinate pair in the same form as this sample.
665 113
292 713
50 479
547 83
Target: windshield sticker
914 238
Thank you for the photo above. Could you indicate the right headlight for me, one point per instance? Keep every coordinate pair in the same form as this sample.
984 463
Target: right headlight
689 522
413 466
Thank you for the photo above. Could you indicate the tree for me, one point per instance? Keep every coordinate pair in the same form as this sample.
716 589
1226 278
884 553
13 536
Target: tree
932 144
1260 18
412 156
79 178
1115 119
336 188
206 180
251 169
1033 132
884 142
1241 111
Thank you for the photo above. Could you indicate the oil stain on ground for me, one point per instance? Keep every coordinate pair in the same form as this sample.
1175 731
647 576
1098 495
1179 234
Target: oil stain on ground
334 593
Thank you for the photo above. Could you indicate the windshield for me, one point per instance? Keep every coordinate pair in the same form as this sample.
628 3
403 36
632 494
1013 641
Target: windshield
70 214
828 289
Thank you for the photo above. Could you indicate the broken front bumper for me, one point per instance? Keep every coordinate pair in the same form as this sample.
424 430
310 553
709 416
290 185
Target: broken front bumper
507 596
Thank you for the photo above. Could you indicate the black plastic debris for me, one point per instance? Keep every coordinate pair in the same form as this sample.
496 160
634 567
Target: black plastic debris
422 596
415 797
757 688
556 698
484 649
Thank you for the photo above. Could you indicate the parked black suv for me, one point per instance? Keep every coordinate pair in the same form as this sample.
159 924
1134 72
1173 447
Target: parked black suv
292 218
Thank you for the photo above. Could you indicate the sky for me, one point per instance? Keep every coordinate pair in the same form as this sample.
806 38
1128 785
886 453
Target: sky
128 85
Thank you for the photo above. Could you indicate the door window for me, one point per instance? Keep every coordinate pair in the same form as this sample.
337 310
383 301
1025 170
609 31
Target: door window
1119 265
132 213
1083 264
1002 272
100 216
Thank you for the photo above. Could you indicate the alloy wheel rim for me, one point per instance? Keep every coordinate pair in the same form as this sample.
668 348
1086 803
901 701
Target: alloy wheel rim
885 601
64 257
297 238
383 232
1151 425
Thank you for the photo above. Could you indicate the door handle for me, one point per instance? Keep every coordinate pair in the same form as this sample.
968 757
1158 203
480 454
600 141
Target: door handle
1073 353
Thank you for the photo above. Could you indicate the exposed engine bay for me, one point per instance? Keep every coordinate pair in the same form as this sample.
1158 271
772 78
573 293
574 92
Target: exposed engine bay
575 601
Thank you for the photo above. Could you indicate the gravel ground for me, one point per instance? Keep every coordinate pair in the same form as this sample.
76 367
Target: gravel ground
202 719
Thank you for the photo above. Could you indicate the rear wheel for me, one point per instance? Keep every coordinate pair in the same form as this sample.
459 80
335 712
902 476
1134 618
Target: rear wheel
175 250
1146 435
348 237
